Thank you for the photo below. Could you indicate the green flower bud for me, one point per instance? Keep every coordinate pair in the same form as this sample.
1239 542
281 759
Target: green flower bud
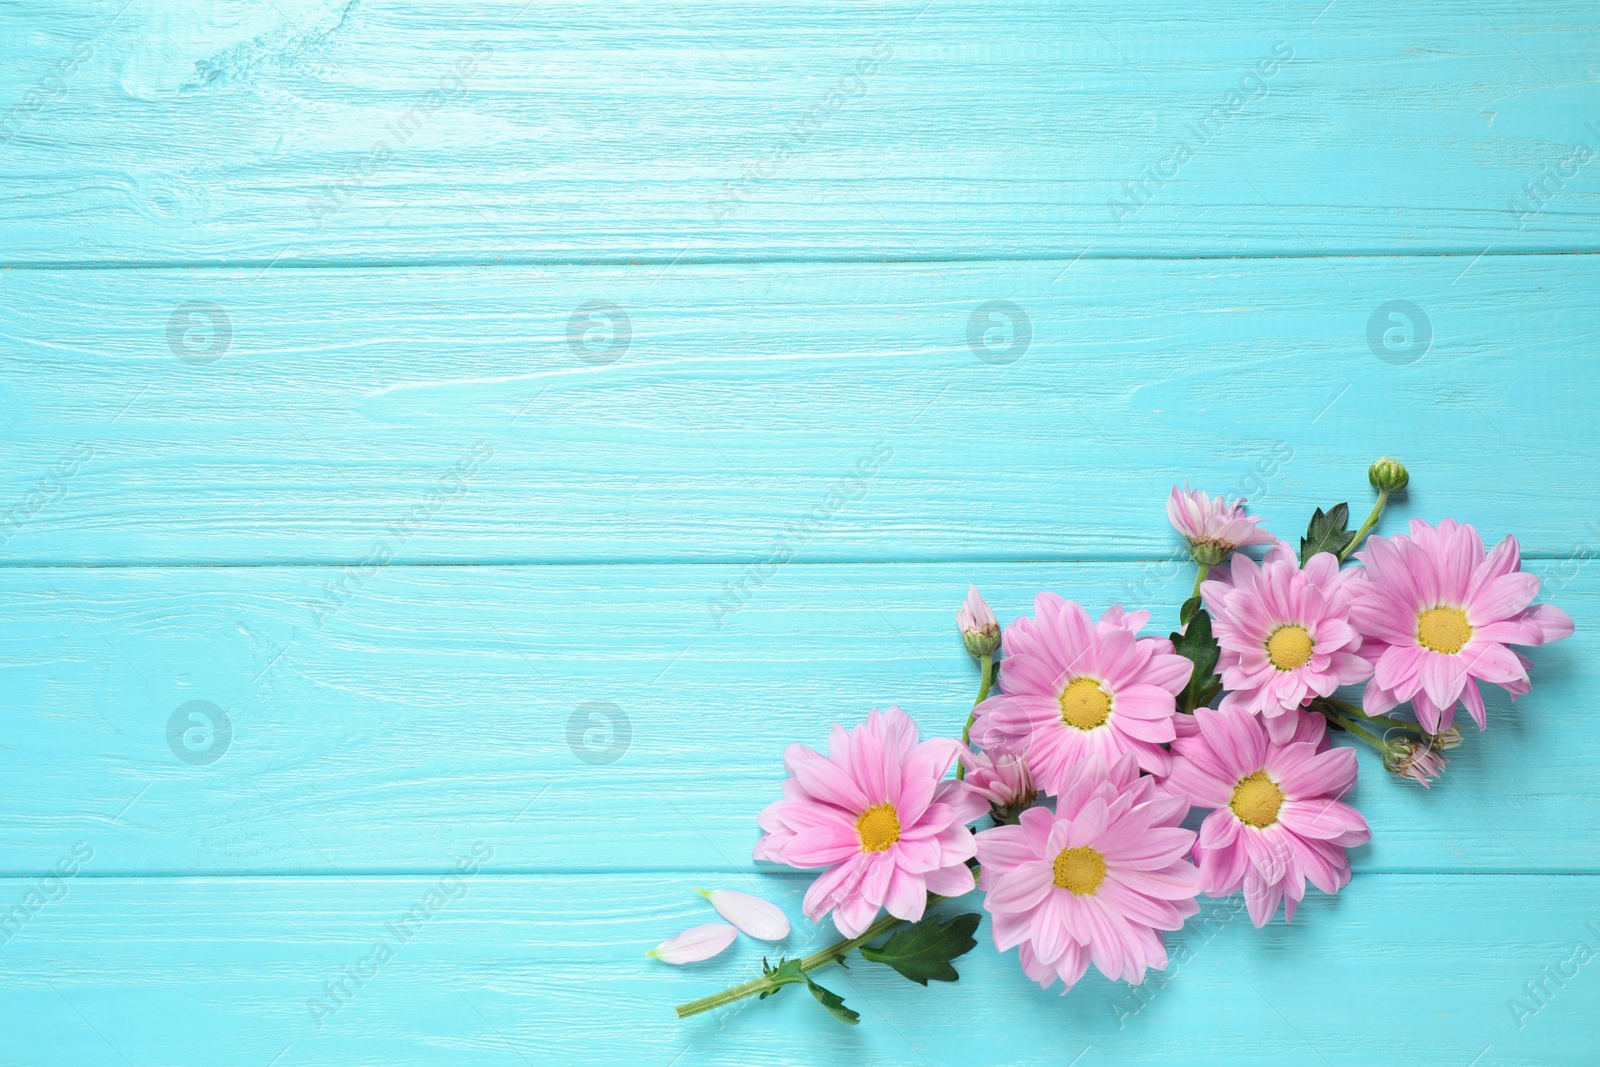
1388 475
980 630
1209 553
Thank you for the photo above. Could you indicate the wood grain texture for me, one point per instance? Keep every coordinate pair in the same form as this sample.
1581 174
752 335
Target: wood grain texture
519 970
451 416
335 132
453 396
435 704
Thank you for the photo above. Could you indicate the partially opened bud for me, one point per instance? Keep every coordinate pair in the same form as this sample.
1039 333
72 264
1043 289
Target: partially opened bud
1003 780
980 630
1414 760
1214 527
695 944
1445 740
1388 475
753 916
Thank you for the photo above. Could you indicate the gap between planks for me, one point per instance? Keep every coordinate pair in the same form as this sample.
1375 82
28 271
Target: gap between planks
522 263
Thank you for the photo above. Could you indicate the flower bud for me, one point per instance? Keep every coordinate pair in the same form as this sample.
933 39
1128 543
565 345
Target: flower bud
980 630
1213 526
1415 760
1003 780
1388 475
1445 741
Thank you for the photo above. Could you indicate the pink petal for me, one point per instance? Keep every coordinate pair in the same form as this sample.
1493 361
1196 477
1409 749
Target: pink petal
1552 623
1220 829
695 944
1503 597
1325 820
950 881
1472 697
1328 773
1493 663
907 897
753 916
1262 899
824 780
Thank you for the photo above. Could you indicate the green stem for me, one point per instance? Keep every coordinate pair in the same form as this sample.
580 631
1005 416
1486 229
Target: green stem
1366 735
1381 720
1372 520
1396 724
986 675
1198 578
836 951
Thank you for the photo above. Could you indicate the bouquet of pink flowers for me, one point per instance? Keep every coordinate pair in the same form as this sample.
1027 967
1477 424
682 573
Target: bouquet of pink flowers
1088 760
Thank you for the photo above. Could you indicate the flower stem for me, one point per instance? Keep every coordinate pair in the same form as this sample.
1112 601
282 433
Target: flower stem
986 675
1198 578
1372 520
1396 724
836 951
1380 720
1366 735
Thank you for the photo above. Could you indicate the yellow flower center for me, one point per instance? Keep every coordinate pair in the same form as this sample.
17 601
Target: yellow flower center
1289 647
1084 704
878 828
1256 800
1443 630
1080 870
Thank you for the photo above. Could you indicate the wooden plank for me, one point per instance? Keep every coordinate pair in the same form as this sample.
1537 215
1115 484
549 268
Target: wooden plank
517 970
420 131
850 412
594 718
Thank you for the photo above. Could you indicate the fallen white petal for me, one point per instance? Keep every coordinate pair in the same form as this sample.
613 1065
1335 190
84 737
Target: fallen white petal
695 944
753 916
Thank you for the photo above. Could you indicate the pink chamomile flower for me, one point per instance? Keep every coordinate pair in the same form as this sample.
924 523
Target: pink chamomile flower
1278 820
1214 527
1439 615
878 814
1285 634
1071 688
1095 881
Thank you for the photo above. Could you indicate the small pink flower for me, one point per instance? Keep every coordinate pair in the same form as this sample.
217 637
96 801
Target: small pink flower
1001 778
876 812
980 630
1278 820
1071 689
1213 527
1285 634
1439 615
1095 881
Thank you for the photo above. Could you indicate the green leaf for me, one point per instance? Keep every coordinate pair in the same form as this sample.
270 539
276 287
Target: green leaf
924 950
788 972
1186 612
1326 533
1196 644
834 1003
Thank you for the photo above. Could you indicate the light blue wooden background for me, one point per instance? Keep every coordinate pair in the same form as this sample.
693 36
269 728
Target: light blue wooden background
412 536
